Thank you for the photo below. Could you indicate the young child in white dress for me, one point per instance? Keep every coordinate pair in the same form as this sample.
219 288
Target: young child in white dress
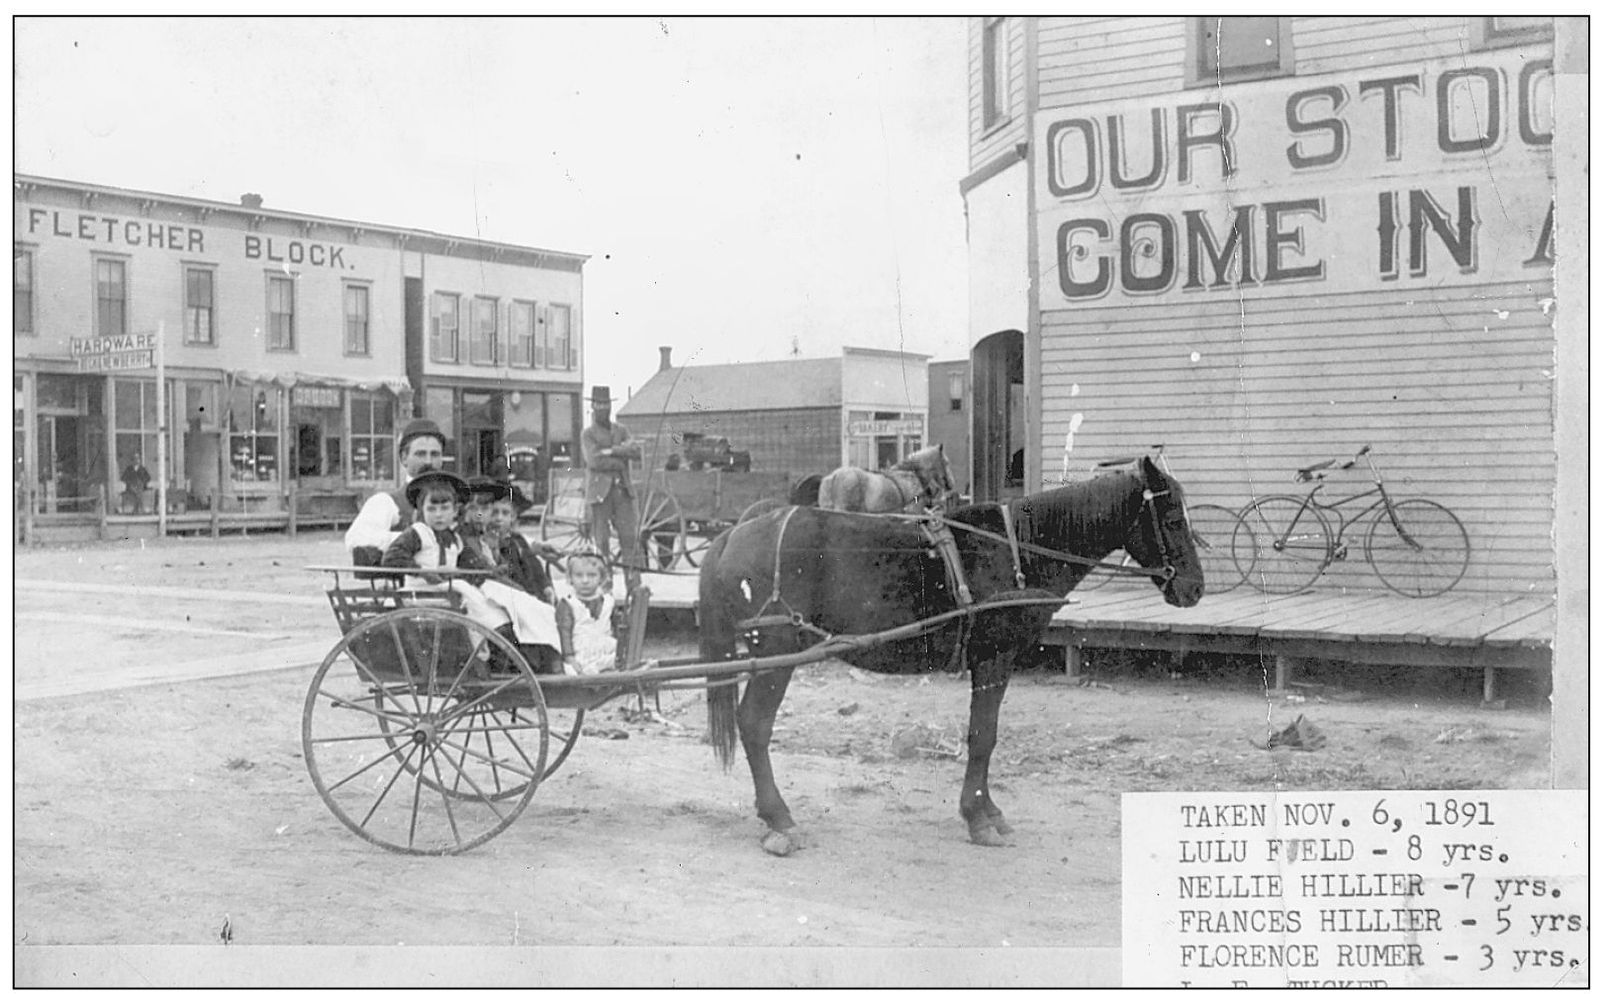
586 616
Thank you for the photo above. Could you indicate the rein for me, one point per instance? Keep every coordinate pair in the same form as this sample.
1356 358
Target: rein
1012 540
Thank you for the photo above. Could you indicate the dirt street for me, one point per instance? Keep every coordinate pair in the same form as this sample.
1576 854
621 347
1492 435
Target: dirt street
147 814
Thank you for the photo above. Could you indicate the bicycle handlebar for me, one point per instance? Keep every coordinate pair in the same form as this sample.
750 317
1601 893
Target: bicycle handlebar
1309 474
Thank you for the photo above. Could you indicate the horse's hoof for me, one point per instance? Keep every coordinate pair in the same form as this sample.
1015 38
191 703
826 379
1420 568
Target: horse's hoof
778 843
1001 825
984 836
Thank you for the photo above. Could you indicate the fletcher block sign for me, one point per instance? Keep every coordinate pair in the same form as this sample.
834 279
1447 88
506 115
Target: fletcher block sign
1436 174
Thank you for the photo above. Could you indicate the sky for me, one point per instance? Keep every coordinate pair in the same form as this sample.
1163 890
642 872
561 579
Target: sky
747 189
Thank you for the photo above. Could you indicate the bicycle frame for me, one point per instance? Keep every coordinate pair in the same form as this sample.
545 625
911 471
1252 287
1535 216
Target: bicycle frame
1313 500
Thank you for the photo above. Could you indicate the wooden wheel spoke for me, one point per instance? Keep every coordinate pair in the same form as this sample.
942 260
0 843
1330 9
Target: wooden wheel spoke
369 737
403 658
375 680
397 716
455 713
419 784
468 779
387 790
371 765
447 801
492 761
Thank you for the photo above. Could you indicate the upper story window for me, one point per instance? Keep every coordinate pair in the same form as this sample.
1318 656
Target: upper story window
1237 49
560 352
282 314
1498 32
111 297
22 291
198 306
522 333
355 321
484 331
445 327
994 72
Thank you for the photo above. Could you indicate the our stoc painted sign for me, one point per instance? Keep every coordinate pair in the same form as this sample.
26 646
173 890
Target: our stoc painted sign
1408 175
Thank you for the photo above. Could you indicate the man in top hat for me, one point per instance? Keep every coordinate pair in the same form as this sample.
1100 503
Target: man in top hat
607 449
386 513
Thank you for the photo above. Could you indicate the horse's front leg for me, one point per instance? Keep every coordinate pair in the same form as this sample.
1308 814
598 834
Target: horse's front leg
984 818
757 709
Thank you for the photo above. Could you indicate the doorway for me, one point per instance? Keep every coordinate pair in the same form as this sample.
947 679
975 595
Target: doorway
310 450
61 484
998 416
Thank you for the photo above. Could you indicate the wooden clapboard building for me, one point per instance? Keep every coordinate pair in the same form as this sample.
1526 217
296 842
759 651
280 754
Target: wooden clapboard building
294 346
1267 241
866 407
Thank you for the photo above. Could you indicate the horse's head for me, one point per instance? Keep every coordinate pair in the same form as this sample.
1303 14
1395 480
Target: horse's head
1159 536
933 469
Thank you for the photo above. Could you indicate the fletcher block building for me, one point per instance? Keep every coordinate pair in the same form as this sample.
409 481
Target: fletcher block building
291 348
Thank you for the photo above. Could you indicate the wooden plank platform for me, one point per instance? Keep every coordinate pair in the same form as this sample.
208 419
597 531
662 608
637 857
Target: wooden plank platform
1370 626
1483 630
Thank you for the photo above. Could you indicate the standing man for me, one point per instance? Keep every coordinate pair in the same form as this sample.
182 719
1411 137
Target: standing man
388 512
607 448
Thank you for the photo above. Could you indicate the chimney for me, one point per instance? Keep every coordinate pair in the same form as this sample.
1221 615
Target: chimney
665 357
252 200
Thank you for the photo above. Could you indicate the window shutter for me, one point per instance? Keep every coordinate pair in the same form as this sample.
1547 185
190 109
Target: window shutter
500 334
465 315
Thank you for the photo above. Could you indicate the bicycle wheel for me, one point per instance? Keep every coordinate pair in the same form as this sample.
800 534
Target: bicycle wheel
1418 548
1284 544
1213 530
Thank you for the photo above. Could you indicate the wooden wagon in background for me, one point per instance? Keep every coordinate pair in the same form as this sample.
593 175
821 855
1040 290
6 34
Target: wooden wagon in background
680 511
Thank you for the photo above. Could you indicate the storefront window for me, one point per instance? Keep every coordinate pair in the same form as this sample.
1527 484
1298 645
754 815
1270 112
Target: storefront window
254 433
439 407
371 416
562 429
19 428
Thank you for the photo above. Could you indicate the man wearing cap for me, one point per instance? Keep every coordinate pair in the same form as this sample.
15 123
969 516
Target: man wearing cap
388 512
607 449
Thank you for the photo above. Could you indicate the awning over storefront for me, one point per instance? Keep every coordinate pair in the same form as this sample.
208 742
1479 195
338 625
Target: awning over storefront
396 384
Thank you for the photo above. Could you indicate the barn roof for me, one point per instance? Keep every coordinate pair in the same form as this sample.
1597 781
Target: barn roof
739 386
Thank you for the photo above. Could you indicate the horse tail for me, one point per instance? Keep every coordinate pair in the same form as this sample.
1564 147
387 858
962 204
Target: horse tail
722 716
717 643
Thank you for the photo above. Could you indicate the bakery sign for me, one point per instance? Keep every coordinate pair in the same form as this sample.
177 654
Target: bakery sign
109 353
904 426
1378 177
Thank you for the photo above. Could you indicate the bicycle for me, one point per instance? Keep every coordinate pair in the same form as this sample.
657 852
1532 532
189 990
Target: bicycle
1417 547
1213 530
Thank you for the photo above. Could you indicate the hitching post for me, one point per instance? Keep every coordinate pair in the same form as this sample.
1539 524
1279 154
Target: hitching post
162 440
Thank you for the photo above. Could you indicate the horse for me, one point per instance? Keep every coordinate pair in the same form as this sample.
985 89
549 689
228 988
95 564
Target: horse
795 575
920 480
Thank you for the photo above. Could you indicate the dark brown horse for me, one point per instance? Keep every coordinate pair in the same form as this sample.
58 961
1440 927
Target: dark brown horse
807 573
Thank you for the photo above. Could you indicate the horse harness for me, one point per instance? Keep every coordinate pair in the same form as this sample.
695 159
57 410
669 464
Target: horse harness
943 544
937 531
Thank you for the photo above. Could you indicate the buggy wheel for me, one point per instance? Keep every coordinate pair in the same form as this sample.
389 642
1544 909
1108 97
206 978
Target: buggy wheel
1418 548
696 543
1214 529
396 730
661 529
510 764
1284 544
564 535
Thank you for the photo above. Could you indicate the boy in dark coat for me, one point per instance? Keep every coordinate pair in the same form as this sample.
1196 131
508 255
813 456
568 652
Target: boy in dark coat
513 553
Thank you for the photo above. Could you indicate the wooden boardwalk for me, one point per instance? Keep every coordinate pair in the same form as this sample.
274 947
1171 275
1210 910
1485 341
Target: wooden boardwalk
1455 629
